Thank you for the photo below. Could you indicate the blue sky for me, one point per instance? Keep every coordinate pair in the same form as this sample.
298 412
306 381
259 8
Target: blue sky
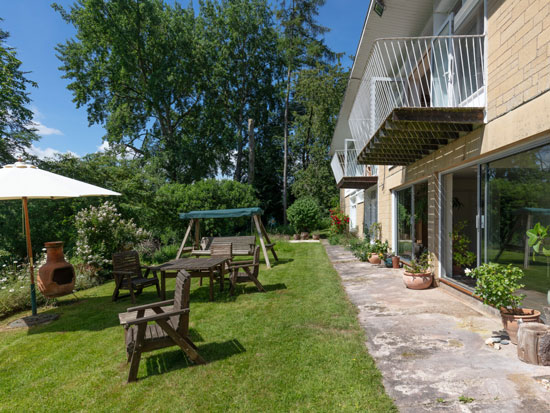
35 29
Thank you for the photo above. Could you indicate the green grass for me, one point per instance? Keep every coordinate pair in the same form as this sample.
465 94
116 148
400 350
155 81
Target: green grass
297 347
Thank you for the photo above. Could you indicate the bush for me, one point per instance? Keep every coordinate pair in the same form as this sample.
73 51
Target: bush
496 285
101 231
304 215
339 222
209 194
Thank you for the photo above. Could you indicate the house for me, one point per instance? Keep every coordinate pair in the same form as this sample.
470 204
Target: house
444 133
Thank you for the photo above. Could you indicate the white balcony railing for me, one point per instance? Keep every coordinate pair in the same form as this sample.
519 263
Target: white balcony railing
442 71
344 164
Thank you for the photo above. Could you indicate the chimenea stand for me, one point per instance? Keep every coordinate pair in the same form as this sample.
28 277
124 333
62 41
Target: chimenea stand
55 278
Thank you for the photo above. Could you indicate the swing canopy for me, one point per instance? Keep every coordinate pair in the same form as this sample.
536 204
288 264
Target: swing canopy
222 213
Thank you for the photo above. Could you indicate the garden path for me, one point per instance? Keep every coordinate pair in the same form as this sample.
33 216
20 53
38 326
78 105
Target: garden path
430 346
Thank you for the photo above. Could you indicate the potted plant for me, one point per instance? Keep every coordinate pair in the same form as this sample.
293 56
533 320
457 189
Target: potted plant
539 240
496 286
418 273
316 235
395 260
462 256
377 251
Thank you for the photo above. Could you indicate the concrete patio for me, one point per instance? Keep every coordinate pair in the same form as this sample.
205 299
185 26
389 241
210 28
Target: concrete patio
430 346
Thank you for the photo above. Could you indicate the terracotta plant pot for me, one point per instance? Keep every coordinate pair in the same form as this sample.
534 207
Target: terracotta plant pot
55 278
510 321
375 259
395 261
296 237
304 235
316 237
418 281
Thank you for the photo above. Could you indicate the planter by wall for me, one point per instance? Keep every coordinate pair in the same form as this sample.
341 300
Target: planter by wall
417 281
510 321
375 259
304 235
395 261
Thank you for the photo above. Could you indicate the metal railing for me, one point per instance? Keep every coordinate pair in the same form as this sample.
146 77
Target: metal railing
344 164
441 71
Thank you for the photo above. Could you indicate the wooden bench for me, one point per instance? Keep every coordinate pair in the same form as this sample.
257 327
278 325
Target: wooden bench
241 245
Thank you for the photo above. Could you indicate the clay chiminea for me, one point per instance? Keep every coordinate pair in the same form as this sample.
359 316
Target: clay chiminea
56 277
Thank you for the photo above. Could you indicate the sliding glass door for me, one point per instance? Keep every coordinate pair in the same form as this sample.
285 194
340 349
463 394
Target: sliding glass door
412 220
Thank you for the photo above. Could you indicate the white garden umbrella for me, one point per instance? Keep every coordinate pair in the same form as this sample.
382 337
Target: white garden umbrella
24 181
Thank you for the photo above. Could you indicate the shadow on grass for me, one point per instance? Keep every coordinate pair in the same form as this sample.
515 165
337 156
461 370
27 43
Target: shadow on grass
175 360
202 294
281 261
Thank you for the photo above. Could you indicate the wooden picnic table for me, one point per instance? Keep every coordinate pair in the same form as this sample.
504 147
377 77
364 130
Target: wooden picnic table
196 267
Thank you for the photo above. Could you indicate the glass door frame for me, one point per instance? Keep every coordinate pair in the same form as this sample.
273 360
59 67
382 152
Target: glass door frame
481 226
395 223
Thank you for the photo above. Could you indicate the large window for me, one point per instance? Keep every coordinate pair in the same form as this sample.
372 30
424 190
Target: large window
486 211
412 221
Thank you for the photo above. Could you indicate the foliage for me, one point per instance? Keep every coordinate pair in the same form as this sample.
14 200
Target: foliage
380 248
304 214
462 256
172 199
375 230
231 334
496 285
316 180
539 240
421 264
102 231
340 222
362 249
16 126
15 294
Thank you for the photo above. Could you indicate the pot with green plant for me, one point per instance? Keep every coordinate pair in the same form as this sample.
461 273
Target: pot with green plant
418 273
462 256
496 285
377 251
539 240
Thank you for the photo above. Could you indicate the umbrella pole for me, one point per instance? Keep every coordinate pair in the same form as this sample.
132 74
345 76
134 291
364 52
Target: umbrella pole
29 253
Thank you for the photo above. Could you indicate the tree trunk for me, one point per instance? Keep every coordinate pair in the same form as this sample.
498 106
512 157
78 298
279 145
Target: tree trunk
238 166
285 162
251 151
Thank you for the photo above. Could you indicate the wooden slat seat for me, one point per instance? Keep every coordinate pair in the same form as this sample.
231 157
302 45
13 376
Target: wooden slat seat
128 274
171 326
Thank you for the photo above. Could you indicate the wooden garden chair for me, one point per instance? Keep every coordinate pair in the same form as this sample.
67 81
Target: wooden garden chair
170 328
225 251
128 275
246 271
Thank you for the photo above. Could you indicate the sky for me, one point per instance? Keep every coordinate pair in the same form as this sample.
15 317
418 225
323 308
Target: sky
35 29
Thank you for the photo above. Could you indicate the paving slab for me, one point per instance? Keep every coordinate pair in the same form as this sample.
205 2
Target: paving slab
430 346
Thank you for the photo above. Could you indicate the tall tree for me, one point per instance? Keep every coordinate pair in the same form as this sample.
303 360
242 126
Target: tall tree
246 69
141 68
16 127
301 46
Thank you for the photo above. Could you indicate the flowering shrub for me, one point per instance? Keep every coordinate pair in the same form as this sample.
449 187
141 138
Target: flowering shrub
339 222
101 231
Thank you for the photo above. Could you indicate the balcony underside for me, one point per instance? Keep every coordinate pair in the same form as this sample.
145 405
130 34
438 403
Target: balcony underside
357 182
410 134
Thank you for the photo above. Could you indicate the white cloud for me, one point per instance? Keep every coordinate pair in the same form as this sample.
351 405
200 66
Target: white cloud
105 146
44 130
48 152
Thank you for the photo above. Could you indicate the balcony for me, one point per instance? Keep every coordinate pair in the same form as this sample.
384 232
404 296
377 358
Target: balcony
351 175
417 95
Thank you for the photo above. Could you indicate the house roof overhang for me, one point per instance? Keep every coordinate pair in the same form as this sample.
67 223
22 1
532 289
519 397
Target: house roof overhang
409 134
357 182
401 18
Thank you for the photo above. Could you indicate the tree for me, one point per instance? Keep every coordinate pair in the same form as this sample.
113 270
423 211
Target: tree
300 46
141 68
16 127
246 69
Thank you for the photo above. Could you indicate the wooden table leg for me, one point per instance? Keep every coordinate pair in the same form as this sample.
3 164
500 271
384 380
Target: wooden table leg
163 284
221 269
211 284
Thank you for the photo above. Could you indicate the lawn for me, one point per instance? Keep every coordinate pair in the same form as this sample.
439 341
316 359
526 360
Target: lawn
297 347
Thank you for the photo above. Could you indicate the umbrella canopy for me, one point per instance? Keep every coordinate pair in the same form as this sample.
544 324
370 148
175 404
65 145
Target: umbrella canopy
22 180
